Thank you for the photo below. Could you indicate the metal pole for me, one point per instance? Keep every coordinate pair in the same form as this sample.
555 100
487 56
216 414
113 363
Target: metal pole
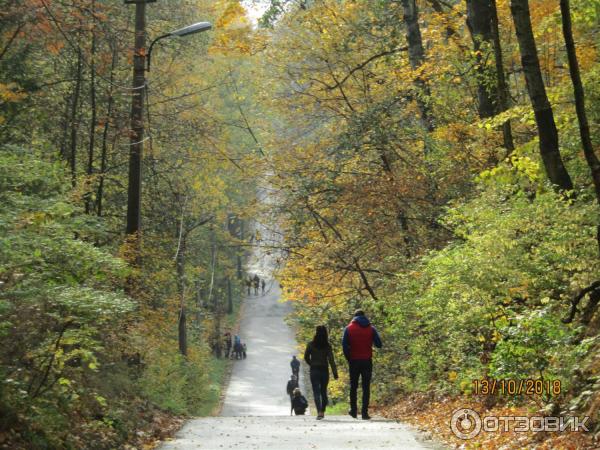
136 146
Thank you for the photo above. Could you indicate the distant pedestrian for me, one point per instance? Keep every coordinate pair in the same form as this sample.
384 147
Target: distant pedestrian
256 282
295 365
262 285
244 350
358 341
249 284
237 347
299 403
291 385
238 350
228 344
319 356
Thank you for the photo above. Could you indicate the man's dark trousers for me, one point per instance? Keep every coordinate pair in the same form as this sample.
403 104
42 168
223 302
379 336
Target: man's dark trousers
362 368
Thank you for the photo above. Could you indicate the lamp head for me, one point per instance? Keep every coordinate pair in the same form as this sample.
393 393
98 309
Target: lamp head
191 29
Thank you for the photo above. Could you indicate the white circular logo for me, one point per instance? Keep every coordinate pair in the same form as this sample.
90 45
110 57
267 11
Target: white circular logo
465 423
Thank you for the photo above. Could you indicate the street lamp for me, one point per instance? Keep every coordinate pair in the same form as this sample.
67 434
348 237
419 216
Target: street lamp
185 31
136 145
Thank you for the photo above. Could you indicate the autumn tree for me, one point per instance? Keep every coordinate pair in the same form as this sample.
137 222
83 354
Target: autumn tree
544 116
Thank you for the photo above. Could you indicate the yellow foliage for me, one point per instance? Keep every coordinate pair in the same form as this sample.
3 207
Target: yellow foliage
11 93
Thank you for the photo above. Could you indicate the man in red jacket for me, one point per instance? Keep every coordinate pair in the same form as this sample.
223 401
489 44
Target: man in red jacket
358 341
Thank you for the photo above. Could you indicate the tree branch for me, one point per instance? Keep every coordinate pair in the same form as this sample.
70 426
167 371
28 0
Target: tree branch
11 40
577 299
364 64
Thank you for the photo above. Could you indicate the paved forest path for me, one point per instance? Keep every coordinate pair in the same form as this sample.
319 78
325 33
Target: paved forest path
256 409
257 385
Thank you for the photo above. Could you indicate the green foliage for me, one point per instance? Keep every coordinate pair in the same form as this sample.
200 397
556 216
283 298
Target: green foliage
83 363
60 298
175 383
501 288
536 345
395 195
273 12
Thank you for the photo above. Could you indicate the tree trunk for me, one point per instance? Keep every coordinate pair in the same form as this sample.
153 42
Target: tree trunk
403 222
544 117
416 56
239 252
65 130
584 128
479 22
211 299
136 144
180 263
74 123
217 338
229 297
107 120
503 94
482 20
218 317
199 302
182 331
93 119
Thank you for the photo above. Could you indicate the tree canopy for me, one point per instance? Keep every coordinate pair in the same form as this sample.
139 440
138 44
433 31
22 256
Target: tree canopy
432 162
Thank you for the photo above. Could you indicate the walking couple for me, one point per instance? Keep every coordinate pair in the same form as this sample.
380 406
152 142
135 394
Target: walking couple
358 341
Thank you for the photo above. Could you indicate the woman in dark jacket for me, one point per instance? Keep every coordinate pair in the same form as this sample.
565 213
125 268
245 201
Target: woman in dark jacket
319 356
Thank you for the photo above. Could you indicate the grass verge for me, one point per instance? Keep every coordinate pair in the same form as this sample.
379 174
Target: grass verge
218 371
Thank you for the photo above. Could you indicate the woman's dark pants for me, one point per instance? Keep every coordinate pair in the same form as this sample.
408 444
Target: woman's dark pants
319 378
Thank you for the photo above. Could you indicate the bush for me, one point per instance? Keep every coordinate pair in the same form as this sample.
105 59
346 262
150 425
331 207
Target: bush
175 383
62 305
491 302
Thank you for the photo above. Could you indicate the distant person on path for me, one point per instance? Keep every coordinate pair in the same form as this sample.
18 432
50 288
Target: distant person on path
358 341
244 348
291 385
299 403
249 284
319 356
228 344
238 350
237 347
256 282
262 285
295 364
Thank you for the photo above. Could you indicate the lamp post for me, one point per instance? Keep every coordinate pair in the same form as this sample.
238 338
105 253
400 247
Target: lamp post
136 144
136 138
185 31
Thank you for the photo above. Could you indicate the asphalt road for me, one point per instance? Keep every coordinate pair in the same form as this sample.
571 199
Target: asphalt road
257 385
256 409
294 433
